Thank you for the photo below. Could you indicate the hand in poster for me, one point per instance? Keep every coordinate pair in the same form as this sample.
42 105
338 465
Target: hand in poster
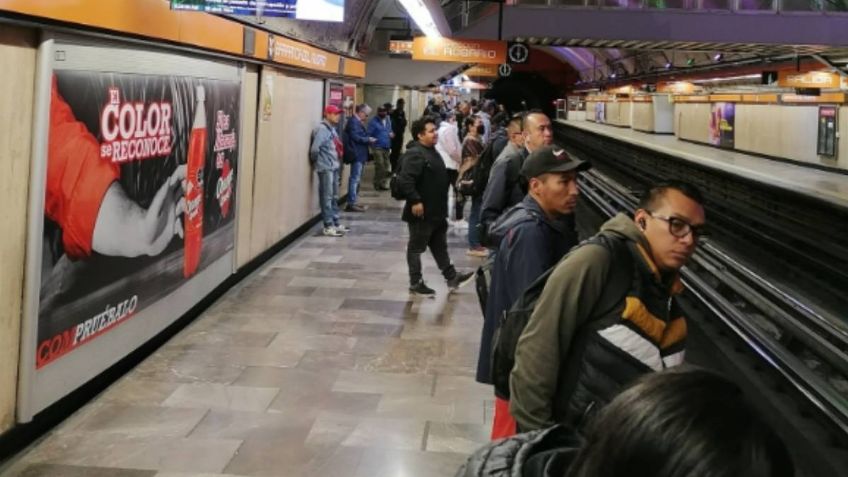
124 229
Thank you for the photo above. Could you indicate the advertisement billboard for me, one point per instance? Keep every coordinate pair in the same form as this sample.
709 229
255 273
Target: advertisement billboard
319 10
722 124
139 197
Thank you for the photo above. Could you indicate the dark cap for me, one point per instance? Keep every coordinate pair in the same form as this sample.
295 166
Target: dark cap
387 106
551 159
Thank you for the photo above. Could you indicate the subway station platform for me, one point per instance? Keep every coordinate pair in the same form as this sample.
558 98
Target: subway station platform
318 364
831 187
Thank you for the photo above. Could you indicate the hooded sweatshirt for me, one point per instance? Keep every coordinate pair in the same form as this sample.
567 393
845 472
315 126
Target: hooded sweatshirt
585 341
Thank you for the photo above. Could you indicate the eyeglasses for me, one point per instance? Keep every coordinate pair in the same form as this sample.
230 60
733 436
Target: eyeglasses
680 228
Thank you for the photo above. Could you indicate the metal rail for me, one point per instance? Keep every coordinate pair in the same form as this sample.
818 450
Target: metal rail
741 293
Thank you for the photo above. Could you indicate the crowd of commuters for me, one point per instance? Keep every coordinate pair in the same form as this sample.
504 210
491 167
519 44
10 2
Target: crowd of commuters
568 326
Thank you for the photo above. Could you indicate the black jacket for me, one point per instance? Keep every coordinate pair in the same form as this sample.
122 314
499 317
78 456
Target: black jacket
544 453
424 179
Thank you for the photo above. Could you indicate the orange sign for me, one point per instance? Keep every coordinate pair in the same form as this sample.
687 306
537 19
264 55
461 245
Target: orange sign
483 71
400 47
677 87
488 52
825 98
289 52
811 79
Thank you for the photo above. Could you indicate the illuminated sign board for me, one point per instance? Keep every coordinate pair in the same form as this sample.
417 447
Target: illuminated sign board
489 52
320 10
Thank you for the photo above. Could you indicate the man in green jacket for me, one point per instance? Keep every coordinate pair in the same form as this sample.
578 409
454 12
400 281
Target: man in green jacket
606 314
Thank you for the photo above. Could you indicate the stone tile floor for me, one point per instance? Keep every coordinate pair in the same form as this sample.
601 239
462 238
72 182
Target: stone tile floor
318 364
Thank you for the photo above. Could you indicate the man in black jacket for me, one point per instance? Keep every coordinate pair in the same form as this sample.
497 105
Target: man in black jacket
398 117
423 181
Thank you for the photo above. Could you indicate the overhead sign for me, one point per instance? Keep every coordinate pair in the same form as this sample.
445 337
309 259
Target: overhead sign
464 51
811 79
504 70
482 71
327 10
402 48
518 53
283 50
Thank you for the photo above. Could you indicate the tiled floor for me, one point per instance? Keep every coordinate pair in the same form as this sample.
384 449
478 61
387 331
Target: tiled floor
319 364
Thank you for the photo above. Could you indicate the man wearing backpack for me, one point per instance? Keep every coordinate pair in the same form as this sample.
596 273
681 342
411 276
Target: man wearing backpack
504 188
423 182
532 236
324 153
606 314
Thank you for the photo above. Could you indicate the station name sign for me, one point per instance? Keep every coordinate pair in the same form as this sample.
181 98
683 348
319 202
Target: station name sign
482 71
811 79
490 52
283 50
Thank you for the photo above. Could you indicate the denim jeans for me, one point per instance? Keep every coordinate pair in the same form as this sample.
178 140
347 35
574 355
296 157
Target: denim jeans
328 194
353 183
474 221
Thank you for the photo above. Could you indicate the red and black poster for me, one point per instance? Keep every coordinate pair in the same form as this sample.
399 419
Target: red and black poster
141 171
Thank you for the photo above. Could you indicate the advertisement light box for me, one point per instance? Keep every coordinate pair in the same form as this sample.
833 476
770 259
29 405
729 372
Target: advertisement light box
319 10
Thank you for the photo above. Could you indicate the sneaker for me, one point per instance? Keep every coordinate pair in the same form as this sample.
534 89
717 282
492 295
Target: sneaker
421 288
460 224
459 280
333 232
354 208
479 251
343 229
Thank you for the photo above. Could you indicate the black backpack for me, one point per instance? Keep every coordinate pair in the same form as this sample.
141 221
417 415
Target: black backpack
512 322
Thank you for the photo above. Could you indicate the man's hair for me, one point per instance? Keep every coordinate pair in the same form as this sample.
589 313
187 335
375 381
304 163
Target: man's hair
681 423
527 115
516 121
420 125
449 115
469 121
653 197
362 107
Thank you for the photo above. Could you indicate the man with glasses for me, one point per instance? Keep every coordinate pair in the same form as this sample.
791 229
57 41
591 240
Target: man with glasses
607 313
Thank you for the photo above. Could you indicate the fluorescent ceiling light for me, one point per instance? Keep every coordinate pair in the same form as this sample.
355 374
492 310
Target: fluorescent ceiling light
727 78
421 16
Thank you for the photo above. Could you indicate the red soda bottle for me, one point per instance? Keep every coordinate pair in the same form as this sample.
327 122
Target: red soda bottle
194 187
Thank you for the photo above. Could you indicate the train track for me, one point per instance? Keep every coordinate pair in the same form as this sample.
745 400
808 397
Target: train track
798 338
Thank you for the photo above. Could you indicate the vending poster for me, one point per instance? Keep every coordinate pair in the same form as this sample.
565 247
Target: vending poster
139 198
722 124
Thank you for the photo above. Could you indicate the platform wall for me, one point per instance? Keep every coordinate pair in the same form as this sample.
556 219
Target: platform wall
642 117
692 121
285 190
781 131
250 87
18 48
618 113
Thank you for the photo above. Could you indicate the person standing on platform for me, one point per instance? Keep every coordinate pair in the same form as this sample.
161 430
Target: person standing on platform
532 237
380 128
423 182
505 187
356 145
324 153
398 117
472 149
607 313
450 149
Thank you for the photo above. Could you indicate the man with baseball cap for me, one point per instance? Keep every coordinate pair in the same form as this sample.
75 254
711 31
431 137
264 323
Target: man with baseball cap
325 153
531 237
